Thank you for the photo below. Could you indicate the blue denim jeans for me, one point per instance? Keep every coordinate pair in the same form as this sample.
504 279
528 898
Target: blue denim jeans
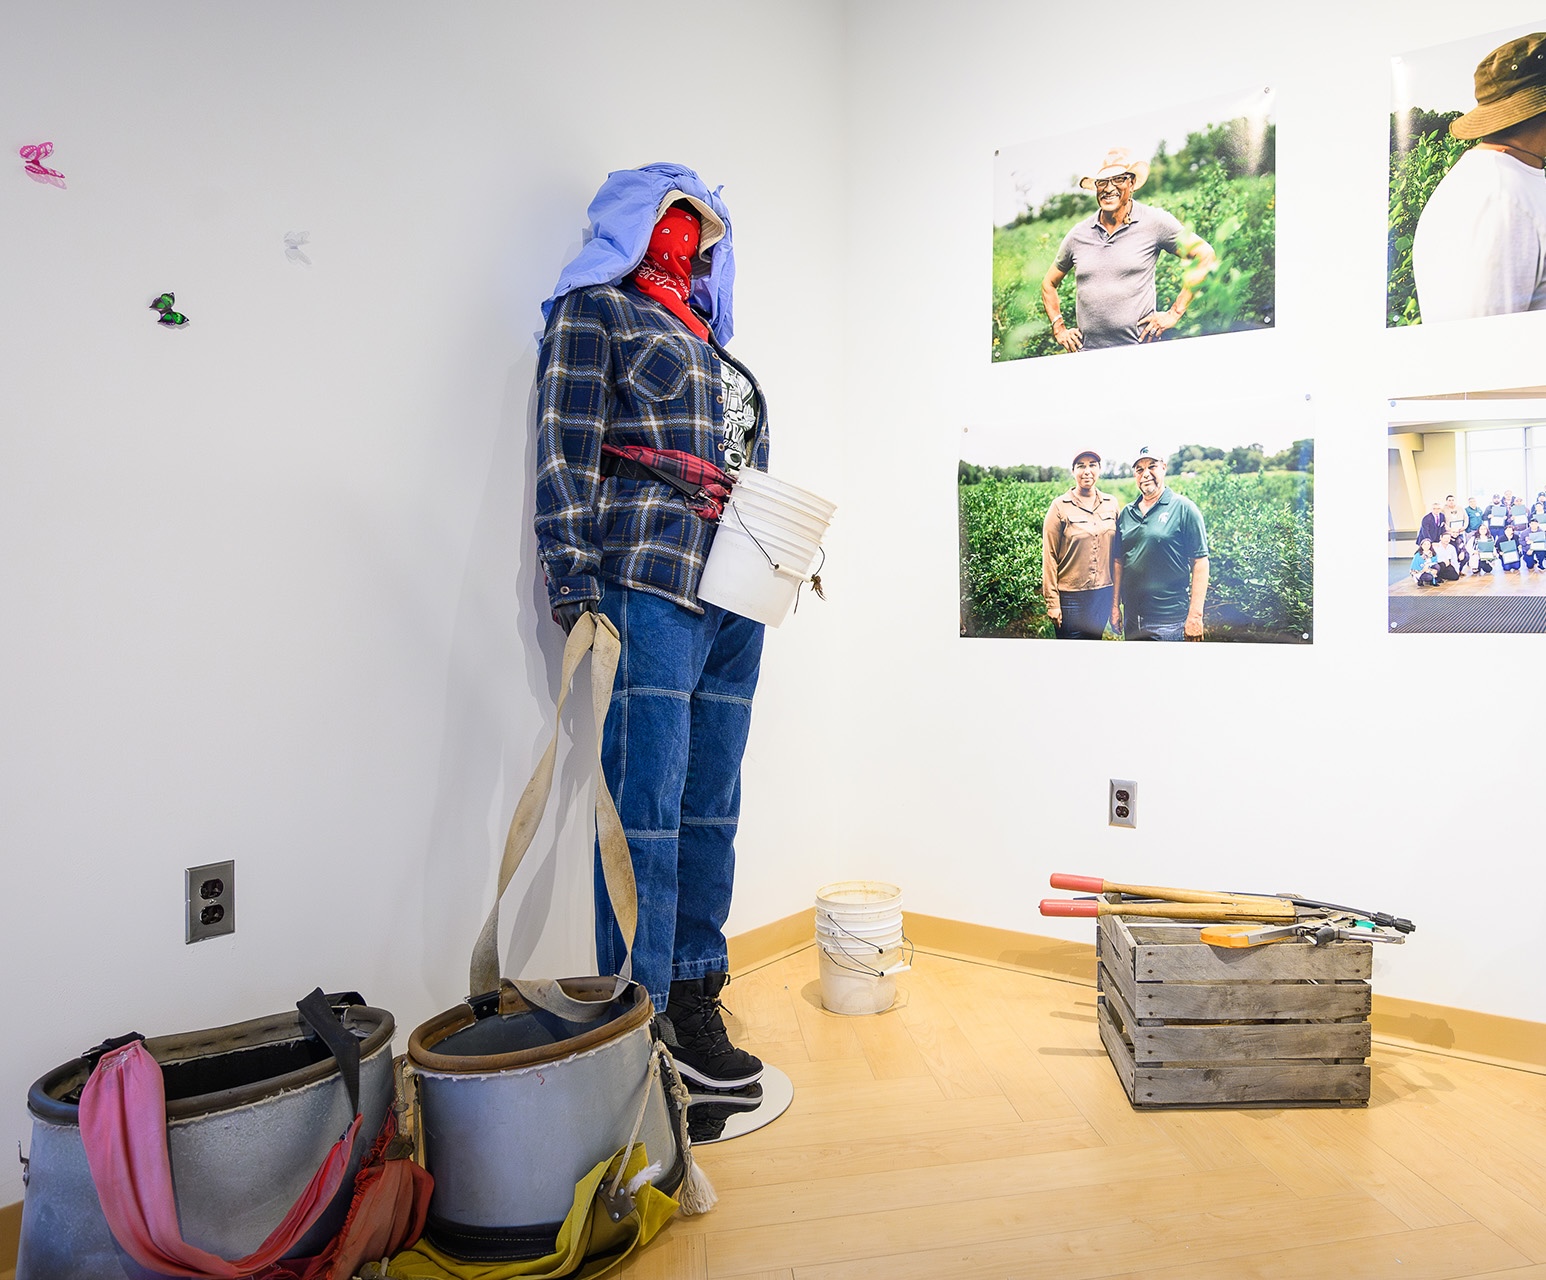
1139 628
671 754
1086 614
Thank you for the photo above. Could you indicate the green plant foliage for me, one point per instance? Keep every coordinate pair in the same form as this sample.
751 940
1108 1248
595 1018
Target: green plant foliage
1421 153
1261 562
1001 556
1261 581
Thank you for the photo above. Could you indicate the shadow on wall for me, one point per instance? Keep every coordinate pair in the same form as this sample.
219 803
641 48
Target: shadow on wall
501 685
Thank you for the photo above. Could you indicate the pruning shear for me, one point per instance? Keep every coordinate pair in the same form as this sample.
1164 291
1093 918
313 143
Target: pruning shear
1292 914
1343 928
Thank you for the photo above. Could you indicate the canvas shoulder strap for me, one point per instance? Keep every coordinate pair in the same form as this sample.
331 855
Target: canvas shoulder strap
593 634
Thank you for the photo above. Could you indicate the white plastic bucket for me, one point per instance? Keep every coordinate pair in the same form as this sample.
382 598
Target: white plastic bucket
850 900
852 987
859 934
760 483
764 547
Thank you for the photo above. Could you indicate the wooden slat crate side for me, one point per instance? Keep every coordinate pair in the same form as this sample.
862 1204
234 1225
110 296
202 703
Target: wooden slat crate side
1113 945
1272 1084
1247 1042
1175 953
1203 1088
1296 961
1116 1049
1224 1001
1120 979
1115 999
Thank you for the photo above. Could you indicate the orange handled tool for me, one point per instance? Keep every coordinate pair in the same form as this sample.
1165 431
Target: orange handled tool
1217 912
1174 904
1094 884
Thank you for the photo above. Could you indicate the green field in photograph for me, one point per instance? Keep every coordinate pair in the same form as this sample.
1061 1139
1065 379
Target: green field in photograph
1204 186
1261 542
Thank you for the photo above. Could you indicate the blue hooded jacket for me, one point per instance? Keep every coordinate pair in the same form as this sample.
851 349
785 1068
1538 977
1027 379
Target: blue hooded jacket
621 218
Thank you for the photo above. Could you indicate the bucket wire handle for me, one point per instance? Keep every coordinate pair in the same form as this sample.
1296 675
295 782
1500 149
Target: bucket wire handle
907 945
772 563
908 949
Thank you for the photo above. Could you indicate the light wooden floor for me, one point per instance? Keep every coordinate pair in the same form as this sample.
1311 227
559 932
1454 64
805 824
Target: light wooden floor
1521 582
979 1130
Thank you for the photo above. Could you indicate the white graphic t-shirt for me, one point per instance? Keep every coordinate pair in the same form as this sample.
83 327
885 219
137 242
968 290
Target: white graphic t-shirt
740 425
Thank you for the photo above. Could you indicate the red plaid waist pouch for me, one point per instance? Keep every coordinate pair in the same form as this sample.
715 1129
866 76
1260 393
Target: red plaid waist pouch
704 485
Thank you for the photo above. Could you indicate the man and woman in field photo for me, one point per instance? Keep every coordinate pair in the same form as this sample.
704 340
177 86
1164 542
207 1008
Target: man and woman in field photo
1139 569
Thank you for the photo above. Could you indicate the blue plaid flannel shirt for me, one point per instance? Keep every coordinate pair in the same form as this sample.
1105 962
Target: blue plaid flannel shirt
615 366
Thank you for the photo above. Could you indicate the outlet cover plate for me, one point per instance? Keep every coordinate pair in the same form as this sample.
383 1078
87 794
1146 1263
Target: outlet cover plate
209 901
1122 808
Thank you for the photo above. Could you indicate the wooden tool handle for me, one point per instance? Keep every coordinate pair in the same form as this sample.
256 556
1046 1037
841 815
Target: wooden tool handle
1093 884
1211 912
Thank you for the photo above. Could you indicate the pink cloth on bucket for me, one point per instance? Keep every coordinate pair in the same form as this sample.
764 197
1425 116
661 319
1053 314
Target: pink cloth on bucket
123 1128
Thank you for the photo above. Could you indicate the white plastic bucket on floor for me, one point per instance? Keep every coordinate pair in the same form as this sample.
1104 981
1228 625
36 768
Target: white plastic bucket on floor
851 990
859 934
764 547
850 900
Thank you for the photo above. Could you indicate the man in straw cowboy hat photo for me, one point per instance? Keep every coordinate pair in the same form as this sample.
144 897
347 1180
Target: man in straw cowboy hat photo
1113 257
1480 248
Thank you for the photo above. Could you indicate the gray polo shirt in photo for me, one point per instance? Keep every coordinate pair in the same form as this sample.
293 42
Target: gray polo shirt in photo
1114 274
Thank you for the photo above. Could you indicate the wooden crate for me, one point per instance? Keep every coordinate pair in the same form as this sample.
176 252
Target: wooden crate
1189 1025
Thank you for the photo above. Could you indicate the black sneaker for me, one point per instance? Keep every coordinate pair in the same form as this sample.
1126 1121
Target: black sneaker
694 1031
747 1098
710 1110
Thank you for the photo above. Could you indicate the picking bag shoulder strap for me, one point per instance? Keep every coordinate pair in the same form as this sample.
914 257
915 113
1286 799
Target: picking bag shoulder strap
593 633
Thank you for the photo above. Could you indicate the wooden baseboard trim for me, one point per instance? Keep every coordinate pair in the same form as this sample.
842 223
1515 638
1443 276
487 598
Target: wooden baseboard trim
770 942
10 1239
1487 1037
1464 1033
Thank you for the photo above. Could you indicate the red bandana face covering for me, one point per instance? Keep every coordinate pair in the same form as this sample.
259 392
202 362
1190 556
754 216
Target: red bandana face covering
666 272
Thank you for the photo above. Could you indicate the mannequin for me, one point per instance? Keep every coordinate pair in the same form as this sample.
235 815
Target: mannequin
643 421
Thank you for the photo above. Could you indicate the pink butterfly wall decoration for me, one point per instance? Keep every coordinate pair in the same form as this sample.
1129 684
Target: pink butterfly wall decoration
34 157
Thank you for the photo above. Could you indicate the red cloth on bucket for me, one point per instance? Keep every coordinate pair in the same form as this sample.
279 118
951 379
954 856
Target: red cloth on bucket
391 1203
123 1128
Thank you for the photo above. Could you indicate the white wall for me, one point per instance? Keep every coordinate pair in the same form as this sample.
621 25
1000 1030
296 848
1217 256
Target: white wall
268 587
269 591
1259 767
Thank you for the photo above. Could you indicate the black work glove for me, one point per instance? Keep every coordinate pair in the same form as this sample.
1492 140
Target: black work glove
566 615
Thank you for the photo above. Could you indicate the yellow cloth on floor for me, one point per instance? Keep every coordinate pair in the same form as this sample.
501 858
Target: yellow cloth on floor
589 1243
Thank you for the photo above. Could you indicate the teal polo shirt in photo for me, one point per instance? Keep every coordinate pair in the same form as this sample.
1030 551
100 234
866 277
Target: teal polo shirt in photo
1158 550
1114 274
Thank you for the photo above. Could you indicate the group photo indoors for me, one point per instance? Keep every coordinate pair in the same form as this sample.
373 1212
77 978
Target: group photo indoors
1467 513
1143 230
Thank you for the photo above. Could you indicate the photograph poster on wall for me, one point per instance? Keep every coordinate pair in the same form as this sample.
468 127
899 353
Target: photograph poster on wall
1467 512
1467 204
1149 229
1167 530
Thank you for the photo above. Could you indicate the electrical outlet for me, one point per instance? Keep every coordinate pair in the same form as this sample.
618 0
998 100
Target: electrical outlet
1123 808
210 901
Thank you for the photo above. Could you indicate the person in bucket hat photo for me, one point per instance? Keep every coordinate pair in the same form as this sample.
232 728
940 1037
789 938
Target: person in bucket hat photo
1113 257
1480 247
